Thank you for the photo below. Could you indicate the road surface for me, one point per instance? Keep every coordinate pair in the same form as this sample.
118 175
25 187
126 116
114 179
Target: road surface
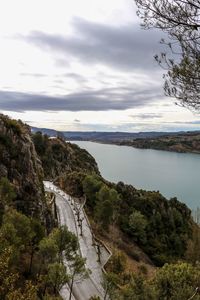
91 286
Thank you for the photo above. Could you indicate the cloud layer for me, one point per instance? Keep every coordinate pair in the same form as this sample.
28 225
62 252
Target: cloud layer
121 98
125 48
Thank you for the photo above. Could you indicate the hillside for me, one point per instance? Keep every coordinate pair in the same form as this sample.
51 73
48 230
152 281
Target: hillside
168 141
183 142
168 223
20 164
142 228
29 247
59 157
100 136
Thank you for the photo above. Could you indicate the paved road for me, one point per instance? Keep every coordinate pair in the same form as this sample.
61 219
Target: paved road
91 286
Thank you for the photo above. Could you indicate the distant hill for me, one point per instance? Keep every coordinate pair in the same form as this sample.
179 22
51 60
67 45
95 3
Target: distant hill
105 136
180 142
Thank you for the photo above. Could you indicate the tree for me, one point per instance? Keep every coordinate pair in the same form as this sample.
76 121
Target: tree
16 232
180 22
139 289
78 271
38 233
118 262
29 292
177 281
91 185
109 285
8 278
66 242
193 247
23 234
40 142
57 276
48 250
107 206
21 224
7 195
138 223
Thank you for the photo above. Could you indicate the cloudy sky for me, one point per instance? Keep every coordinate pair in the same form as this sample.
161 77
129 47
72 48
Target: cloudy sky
83 65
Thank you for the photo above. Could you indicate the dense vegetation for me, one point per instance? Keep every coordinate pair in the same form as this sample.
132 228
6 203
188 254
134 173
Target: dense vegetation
31 264
31 245
171 282
59 157
31 248
160 227
163 229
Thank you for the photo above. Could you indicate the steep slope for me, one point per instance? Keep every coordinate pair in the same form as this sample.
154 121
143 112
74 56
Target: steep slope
59 157
161 228
20 164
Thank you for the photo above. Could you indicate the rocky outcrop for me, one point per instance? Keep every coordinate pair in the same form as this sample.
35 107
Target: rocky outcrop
27 159
20 164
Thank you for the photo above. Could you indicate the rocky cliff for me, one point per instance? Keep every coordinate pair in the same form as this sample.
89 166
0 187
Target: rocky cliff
20 164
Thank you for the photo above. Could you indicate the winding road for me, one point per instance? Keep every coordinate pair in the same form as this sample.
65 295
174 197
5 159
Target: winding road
91 286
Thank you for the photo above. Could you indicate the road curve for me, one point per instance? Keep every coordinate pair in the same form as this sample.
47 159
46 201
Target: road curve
91 286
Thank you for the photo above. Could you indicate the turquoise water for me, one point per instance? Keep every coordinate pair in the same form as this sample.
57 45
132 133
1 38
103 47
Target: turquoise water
173 174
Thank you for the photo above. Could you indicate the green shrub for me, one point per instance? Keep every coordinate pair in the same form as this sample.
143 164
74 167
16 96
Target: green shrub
14 126
143 269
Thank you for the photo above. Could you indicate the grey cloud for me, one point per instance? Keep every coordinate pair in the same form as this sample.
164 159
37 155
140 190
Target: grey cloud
74 76
62 62
121 98
146 116
126 47
58 81
197 122
36 75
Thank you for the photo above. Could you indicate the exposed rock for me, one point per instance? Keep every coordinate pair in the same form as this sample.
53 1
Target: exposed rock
20 164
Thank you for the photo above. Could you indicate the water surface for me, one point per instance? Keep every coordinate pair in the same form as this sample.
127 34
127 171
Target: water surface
173 174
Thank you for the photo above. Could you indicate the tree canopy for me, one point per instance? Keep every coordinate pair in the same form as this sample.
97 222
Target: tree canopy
180 21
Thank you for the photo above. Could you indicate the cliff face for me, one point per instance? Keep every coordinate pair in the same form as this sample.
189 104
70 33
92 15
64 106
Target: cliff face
20 164
26 159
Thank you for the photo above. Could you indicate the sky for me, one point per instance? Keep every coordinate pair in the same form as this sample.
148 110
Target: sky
84 65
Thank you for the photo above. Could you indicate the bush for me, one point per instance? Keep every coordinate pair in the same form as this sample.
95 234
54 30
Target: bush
14 126
143 269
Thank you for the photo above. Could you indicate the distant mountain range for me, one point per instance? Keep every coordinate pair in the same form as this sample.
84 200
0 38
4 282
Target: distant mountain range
107 136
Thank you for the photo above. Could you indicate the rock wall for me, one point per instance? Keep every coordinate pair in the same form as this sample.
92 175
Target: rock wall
20 164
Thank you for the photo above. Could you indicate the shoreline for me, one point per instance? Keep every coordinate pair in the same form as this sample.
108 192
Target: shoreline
136 147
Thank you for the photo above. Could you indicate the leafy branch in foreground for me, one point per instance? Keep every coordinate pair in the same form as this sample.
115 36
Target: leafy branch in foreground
180 22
